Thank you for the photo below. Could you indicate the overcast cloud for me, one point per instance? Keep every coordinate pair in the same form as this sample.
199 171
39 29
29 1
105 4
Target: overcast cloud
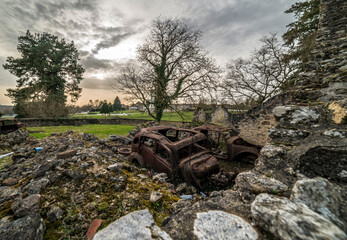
107 32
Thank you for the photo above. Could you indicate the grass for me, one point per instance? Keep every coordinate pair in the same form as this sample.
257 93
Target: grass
100 131
167 116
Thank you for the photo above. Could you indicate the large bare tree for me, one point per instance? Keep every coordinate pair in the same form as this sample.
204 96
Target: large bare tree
264 74
173 66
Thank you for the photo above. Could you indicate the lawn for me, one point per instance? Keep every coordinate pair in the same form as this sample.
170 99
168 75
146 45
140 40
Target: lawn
100 131
167 116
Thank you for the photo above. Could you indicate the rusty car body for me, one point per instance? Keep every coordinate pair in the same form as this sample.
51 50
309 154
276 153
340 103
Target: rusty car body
9 125
174 151
237 149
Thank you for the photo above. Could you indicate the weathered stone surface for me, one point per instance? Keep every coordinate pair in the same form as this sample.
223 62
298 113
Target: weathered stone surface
287 219
180 224
10 182
66 154
136 225
30 227
221 225
26 206
37 186
56 213
296 114
118 167
42 169
155 197
258 183
9 194
320 196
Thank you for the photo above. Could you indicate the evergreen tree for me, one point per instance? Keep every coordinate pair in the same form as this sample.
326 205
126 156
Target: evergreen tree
301 33
104 108
117 104
47 71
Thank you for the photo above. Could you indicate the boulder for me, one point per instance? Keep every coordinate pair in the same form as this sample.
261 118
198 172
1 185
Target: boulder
221 225
320 196
37 186
30 227
287 219
136 225
258 183
155 197
26 206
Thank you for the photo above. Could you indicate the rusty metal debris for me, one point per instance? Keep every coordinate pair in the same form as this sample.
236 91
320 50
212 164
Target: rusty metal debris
186 153
237 149
9 125
174 151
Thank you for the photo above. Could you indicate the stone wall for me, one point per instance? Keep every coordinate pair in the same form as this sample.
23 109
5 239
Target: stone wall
34 122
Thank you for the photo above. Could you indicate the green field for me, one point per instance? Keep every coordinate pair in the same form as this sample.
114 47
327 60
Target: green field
167 116
100 131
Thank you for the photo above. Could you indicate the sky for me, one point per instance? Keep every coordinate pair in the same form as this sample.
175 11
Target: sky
107 32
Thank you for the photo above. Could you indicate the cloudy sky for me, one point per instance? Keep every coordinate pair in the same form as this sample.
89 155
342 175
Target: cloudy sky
107 32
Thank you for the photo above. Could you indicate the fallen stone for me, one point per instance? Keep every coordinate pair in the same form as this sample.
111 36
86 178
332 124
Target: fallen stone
320 196
221 225
258 183
10 182
287 219
117 167
155 197
9 194
66 154
55 214
42 169
37 186
162 177
142 176
26 206
29 227
136 225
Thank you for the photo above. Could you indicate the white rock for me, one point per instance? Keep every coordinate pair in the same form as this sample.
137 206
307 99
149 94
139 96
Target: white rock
155 196
135 225
259 183
270 151
221 225
287 219
320 196
304 115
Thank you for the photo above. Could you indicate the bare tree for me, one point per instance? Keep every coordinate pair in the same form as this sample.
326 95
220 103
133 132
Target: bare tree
264 74
174 66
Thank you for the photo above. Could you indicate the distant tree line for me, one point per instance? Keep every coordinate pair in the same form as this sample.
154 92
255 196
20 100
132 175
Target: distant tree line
173 68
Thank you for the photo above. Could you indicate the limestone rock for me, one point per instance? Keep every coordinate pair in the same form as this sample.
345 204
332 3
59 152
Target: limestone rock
320 196
10 182
30 227
37 186
221 225
155 197
66 154
136 225
56 213
287 219
258 183
26 206
9 194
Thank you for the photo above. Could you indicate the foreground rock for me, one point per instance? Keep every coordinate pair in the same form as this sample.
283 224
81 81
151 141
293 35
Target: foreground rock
287 219
136 225
221 225
322 197
29 227
206 220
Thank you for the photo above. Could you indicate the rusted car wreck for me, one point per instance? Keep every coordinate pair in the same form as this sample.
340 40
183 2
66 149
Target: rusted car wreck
9 125
190 154
176 152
